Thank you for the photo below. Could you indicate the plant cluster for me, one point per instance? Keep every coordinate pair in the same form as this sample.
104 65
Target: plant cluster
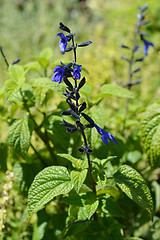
78 185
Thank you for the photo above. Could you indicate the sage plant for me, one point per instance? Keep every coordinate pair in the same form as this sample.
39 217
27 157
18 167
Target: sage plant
139 36
71 76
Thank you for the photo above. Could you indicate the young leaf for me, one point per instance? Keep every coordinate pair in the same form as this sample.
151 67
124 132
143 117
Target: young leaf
150 134
17 73
78 177
15 81
77 163
109 89
133 185
90 205
49 183
19 135
33 66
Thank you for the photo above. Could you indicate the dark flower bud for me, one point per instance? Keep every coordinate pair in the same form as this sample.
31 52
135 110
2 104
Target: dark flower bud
67 82
124 46
74 114
77 96
139 60
16 61
66 124
125 58
145 22
138 81
135 48
82 82
79 124
64 113
64 28
71 130
82 107
82 150
136 70
144 7
71 104
68 49
89 150
84 44
88 118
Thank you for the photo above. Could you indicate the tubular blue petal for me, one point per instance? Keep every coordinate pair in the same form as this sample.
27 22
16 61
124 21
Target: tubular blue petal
104 138
105 135
112 138
63 42
146 45
99 130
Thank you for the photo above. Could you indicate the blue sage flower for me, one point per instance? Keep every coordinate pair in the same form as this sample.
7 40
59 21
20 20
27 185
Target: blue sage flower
76 71
59 71
146 45
105 135
63 42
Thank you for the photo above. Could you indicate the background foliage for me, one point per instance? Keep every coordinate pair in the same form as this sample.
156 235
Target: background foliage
28 29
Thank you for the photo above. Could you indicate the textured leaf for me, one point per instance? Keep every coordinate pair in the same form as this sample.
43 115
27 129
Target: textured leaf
150 134
16 79
109 89
90 205
49 183
133 185
19 135
17 73
78 177
77 163
46 83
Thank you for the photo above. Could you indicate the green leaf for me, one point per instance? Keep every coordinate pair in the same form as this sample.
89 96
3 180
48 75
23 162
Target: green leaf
150 134
49 183
78 177
17 73
74 200
46 83
33 66
19 135
109 206
134 156
90 205
47 53
38 231
76 163
109 89
11 88
12 85
133 185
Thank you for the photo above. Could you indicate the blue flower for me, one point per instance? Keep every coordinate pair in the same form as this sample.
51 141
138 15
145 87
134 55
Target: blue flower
146 45
59 71
105 135
76 71
63 42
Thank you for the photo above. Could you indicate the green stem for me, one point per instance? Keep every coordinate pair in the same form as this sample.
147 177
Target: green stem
39 156
4 57
42 136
